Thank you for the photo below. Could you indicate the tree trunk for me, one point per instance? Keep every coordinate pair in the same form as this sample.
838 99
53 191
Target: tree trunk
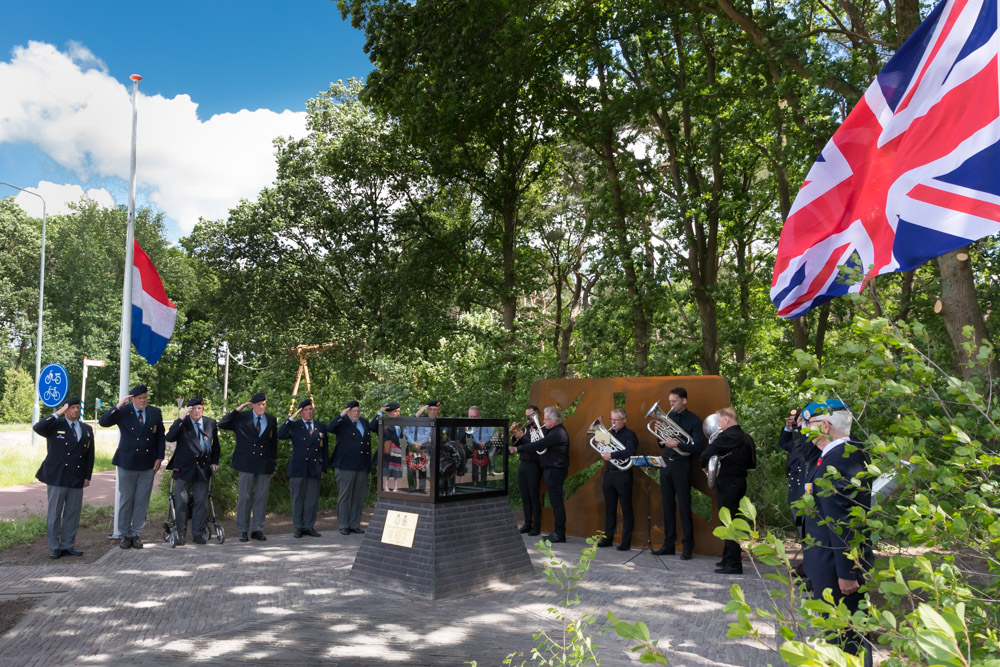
960 309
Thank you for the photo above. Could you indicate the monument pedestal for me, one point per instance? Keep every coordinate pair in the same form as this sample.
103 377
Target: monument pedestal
456 548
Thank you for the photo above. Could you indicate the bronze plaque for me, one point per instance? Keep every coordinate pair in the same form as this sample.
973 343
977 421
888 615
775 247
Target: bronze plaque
590 398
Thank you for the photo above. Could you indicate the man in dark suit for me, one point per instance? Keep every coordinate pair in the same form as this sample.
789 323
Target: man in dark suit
140 452
737 454
831 530
675 476
352 457
254 457
66 470
391 447
305 469
553 454
529 473
617 483
195 459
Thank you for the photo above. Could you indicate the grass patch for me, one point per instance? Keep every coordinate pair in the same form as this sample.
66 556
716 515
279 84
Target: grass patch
31 528
4 428
20 462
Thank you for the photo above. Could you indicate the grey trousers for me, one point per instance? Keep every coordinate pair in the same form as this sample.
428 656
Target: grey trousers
134 489
352 486
63 518
305 501
199 512
255 485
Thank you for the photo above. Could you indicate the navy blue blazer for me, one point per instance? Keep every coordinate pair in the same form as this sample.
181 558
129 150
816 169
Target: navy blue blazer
309 450
254 453
829 525
140 446
353 450
68 461
190 462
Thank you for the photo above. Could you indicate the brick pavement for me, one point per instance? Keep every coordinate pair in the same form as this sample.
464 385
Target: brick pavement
291 601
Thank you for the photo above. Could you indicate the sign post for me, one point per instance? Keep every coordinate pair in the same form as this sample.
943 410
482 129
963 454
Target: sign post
53 385
87 363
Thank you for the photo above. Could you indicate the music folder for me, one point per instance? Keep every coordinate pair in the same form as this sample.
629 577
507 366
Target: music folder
648 461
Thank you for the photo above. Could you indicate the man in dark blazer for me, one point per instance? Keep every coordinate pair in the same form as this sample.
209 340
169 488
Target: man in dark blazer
66 470
305 469
254 457
617 483
553 454
140 452
675 476
352 457
195 459
737 454
391 447
831 530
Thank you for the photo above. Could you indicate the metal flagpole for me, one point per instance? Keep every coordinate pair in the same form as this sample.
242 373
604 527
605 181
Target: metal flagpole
125 357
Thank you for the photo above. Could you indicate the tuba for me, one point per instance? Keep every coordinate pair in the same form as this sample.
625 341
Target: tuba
604 441
663 427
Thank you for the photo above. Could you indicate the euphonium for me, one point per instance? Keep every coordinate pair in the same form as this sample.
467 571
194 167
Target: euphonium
663 427
535 431
711 429
604 441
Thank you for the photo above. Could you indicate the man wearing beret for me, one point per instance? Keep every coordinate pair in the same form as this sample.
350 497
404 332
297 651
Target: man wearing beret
391 444
66 470
254 457
140 452
195 458
352 456
420 442
305 469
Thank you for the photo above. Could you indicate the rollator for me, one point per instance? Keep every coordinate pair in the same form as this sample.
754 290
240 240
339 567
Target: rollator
170 533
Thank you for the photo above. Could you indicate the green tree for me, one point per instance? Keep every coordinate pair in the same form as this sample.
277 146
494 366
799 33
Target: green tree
18 397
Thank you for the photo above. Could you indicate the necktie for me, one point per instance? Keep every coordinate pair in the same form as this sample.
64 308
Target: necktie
310 426
258 426
76 429
140 417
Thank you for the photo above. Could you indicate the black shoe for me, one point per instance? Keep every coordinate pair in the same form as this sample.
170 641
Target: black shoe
71 552
722 563
345 531
126 543
297 533
535 533
665 550
244 537
136 542
312 533
624 547
730 570
605 543
685 555
179 542
555 539
198 539
258 535
54 554
526 528
359 531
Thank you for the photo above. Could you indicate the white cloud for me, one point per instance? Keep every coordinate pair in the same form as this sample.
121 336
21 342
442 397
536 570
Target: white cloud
68 106
59 197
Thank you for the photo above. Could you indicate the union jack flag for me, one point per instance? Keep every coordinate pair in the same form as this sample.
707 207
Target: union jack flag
911 174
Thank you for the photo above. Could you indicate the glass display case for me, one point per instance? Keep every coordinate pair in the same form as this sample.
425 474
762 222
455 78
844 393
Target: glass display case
442 460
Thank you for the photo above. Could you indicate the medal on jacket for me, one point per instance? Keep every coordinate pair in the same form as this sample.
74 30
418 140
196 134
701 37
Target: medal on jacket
808 489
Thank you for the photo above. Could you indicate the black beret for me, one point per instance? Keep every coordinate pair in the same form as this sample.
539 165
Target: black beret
196 401
433 403
353 404
392 406
75 400
305 403
258 397
139 390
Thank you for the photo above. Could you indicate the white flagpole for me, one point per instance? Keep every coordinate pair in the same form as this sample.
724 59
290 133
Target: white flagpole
125 356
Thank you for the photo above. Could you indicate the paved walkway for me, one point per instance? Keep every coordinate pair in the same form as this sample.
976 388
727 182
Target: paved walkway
291 601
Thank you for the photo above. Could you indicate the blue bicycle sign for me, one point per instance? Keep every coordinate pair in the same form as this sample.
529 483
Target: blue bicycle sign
53 385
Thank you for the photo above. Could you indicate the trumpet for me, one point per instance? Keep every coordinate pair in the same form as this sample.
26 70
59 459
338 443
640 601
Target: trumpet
605 442
663 427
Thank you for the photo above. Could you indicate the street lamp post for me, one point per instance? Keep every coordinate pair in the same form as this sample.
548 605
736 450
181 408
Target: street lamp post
41 303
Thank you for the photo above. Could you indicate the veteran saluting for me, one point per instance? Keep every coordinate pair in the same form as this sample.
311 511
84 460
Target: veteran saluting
66 470
305 469
140 452
195 458
254 457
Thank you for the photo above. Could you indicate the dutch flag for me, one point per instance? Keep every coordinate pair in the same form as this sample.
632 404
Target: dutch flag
153 315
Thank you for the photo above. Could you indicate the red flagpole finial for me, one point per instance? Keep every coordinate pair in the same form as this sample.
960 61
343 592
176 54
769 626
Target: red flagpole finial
136 77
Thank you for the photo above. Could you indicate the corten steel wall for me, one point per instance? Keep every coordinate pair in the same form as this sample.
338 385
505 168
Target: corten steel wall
595 397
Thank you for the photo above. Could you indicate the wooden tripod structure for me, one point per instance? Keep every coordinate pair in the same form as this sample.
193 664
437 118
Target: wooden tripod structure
302 351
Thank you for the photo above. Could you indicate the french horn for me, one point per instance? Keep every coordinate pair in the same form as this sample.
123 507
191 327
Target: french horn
604 441
664 428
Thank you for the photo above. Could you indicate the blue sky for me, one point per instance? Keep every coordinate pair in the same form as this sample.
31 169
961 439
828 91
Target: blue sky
220 80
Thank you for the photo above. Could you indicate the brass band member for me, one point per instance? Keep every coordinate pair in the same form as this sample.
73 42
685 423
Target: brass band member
737 454
555 466
675 476
617 484
529 474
